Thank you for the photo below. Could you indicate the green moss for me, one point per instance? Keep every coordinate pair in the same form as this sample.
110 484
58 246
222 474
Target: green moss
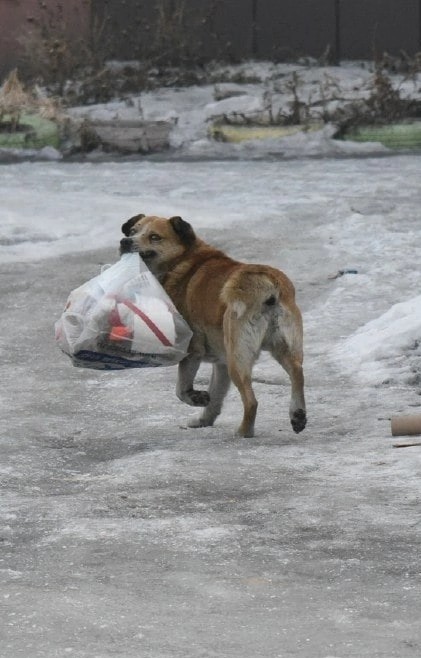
34 132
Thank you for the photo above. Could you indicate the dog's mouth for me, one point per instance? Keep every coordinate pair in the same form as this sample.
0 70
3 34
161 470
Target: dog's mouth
128 245
147 255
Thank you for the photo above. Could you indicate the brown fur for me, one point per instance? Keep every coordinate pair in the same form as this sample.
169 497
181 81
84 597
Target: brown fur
234 309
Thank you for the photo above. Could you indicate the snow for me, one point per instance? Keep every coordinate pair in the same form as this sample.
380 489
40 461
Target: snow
125 533
370 351
255 87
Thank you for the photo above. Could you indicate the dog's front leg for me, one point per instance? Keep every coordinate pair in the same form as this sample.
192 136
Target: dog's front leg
187 369
219 385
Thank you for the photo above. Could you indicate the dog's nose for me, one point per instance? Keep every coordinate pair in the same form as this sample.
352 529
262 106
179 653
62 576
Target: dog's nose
126 244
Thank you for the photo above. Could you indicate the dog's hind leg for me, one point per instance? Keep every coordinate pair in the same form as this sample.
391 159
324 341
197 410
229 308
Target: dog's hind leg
284 340
243 339
293 366
242 379
219 385
187 369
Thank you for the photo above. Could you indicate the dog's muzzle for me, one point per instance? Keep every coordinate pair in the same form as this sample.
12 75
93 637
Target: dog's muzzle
127 245
147 255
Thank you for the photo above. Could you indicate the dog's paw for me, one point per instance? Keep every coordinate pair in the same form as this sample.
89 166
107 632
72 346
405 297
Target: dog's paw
199 422
298 420
196 398
245 431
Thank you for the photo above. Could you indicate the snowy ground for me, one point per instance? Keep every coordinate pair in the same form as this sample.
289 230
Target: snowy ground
125 534
262 92
259 92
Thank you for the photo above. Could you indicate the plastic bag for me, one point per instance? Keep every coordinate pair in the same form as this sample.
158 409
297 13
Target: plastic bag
122 318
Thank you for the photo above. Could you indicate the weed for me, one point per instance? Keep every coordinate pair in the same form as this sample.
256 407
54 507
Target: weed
384 104
13 100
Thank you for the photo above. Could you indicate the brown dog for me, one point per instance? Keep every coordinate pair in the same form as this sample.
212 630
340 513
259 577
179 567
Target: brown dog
234 310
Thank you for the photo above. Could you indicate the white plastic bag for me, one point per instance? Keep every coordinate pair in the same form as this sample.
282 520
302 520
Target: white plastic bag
122 318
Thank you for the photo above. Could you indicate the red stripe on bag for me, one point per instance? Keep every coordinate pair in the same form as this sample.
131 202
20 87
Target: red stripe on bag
152 326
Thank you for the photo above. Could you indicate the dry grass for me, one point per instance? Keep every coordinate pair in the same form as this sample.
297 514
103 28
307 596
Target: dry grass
13 99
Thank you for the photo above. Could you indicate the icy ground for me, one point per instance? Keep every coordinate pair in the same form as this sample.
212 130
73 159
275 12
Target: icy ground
125 534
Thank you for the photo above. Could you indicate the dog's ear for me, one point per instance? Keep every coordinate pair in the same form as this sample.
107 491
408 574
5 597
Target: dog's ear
130 222
183 230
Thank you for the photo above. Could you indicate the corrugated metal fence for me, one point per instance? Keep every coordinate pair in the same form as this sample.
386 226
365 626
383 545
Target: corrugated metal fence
174 31
263 29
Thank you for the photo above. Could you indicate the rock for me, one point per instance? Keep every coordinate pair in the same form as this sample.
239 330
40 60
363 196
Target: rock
49 153
224 90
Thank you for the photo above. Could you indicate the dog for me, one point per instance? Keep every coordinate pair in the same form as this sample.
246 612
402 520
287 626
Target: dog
234 310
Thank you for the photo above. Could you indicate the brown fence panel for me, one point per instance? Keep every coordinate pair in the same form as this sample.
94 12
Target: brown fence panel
368 28
287 29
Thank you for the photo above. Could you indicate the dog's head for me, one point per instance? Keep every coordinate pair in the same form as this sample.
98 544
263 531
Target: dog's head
159 241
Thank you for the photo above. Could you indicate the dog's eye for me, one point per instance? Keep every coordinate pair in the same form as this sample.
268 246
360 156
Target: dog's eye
154 237
132 231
